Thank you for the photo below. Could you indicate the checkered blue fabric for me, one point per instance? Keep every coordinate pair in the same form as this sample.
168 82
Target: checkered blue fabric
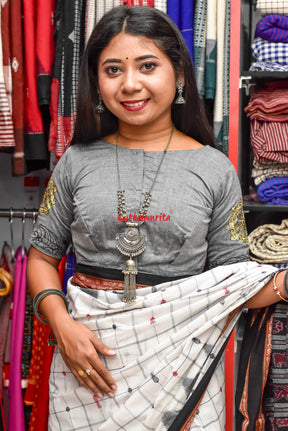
264 50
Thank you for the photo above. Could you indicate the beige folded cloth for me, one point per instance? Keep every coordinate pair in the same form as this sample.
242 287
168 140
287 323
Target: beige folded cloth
268 243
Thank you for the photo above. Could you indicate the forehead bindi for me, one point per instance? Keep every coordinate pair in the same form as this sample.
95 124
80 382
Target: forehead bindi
125 47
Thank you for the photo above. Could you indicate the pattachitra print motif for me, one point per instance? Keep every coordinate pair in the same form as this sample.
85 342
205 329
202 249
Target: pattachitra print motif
48 198
237 224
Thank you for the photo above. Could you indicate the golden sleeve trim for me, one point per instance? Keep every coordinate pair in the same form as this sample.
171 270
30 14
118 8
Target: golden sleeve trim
237 224
48 198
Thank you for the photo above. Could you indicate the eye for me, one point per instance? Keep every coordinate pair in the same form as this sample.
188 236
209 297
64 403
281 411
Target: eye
113 70
148 67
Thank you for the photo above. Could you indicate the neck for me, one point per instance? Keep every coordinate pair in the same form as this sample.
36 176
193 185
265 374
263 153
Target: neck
144 138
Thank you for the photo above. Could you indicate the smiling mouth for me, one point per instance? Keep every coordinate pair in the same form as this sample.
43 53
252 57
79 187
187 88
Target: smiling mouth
135 104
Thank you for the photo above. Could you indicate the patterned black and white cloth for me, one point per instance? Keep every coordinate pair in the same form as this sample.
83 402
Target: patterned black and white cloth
165 342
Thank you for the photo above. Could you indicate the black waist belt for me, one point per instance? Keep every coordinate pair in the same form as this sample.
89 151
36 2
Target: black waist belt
117 274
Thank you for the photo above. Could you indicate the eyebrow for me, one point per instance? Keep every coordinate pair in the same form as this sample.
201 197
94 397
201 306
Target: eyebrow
117 60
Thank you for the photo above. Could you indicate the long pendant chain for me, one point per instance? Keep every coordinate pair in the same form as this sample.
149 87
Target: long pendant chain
131 243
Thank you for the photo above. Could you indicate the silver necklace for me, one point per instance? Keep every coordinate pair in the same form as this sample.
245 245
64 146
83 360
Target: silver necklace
131 243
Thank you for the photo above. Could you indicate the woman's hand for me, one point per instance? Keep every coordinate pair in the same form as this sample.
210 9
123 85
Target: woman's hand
80 350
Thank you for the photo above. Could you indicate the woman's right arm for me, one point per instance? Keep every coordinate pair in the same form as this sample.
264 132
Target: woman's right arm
78 345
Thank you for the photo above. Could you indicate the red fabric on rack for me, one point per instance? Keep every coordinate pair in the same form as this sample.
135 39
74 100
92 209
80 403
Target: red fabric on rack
16 44
37 392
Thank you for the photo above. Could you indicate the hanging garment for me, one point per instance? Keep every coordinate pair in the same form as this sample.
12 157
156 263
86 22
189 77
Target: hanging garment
161 5
17 63
45 49
182 13
165 342
253 370
268 243
70 15
6 124
200 21
275 406
273 28
35 147
17 421
266 7
221 103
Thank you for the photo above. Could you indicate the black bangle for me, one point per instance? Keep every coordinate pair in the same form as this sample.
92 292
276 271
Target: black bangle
41 295
285 284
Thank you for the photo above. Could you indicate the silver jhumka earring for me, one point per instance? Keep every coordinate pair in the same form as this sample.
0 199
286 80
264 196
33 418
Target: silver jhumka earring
100 107
180 99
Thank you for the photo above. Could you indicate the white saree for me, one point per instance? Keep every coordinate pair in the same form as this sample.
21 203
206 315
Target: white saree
165 342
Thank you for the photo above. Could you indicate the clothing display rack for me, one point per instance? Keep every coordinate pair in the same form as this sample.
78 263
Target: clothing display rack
19 213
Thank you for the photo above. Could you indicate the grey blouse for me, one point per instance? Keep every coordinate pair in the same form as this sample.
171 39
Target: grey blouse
196 196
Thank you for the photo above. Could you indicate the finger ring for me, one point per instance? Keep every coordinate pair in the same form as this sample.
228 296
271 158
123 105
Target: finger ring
81 373
88 372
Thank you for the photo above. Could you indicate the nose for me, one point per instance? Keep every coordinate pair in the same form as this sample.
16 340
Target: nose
131 82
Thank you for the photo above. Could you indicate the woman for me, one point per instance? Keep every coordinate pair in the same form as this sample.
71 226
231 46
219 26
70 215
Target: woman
146 201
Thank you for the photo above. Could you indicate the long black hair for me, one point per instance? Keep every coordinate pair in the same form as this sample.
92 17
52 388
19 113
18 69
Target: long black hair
150 22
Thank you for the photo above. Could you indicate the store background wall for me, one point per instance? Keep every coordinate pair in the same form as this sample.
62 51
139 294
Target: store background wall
16 195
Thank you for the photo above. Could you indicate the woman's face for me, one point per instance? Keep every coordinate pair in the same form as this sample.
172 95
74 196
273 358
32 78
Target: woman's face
137 81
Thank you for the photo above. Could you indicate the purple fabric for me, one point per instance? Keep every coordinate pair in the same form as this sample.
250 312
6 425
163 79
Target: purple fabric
69 269
17 421
274 191
273 28
182 13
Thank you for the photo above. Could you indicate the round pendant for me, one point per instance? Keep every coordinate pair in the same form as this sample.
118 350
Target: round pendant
131 243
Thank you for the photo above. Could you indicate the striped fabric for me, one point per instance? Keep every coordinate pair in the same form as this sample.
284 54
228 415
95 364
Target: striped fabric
269 141
6 124
89 18
264 50
266 7
273 28
262 171
274 191
210 63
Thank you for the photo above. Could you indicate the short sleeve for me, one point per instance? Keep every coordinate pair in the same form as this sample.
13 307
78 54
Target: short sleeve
227 235
52 234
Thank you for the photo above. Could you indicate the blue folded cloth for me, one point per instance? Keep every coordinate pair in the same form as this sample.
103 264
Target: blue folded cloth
273 28
274 191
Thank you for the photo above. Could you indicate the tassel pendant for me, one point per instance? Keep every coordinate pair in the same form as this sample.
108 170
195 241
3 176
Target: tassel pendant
130 273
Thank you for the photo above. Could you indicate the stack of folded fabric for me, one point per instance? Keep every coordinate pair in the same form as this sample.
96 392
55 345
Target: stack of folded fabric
270 45
268 243
268 112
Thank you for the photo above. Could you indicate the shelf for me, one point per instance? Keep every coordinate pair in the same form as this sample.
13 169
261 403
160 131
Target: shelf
261 207
265 74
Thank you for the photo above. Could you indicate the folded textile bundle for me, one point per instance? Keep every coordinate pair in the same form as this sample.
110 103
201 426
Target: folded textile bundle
262 171
269 103
268 66
268 243
269 141
266 7
273 28
274 191
264 50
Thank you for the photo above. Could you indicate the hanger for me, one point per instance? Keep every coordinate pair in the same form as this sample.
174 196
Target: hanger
7 280
12 236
